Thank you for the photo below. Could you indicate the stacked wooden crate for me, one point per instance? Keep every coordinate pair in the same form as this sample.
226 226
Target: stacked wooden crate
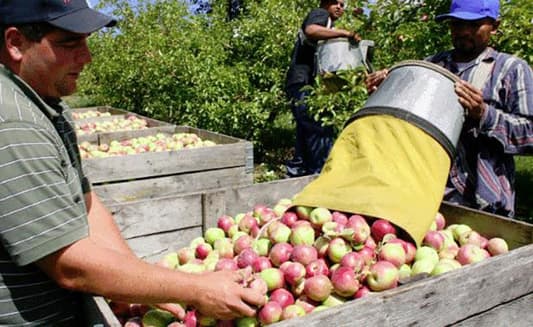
124 181
495 292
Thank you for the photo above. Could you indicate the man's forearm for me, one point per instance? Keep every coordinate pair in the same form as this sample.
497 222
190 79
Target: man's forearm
102 227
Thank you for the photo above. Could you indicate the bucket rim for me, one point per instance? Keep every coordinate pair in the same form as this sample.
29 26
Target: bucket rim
426 64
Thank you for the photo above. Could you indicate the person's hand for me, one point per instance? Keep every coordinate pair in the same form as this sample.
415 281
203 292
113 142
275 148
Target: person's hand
355 36
222 296
374 79
471 99
175 309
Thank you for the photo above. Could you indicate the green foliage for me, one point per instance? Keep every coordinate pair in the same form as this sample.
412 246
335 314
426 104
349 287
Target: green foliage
228 76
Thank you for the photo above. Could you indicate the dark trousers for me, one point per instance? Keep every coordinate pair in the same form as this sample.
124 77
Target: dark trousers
313 141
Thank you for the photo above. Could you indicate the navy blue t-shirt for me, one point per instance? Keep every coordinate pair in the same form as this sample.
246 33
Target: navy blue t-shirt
302 67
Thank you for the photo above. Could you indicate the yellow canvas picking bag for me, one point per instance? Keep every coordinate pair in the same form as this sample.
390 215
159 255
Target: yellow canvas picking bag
384 167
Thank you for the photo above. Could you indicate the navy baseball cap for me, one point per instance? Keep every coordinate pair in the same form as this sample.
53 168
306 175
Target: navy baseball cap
472 10
71 15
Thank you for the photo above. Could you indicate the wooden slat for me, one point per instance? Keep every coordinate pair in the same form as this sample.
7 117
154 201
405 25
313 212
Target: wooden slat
111 110
97 312
171 185
440 300
236 200
517 313
139 218
153 247
142 165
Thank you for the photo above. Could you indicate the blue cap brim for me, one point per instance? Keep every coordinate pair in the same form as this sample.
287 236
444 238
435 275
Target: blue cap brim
83 21
461 15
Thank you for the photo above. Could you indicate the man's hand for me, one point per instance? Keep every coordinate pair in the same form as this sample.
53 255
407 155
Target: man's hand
355 36
221 295
373 80
471 99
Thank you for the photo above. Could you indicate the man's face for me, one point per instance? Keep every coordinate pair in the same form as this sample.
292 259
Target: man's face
52 66
336 9
470 38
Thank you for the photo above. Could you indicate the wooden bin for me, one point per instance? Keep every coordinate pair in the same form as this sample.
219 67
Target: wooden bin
121 179
495 292
93 137
102 109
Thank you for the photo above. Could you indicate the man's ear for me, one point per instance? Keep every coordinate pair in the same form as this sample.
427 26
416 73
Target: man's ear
495 26
14 43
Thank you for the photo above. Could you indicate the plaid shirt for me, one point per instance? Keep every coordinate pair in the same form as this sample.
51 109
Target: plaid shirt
483 173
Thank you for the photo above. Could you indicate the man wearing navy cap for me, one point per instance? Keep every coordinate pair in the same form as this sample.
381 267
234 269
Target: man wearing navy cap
57 239
496 91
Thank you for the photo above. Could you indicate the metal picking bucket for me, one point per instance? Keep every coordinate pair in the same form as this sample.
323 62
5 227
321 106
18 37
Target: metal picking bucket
421 93
338 54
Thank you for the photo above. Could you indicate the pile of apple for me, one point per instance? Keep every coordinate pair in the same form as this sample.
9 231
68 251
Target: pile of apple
308 259
130 123
152 143
90 114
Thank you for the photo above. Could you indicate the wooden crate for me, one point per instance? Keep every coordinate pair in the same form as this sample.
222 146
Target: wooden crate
121 179
102 109
495 292
152 125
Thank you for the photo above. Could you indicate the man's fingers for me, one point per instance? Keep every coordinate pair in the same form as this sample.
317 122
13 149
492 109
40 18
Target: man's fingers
175 309
252 297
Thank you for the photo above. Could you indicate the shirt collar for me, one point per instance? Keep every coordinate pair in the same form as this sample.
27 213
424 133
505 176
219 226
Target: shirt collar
52 108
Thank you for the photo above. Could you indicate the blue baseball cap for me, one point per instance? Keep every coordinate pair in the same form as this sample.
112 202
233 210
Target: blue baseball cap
472 10
71 15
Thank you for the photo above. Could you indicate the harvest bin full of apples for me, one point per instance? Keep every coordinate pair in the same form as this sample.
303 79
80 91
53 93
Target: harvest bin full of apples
322 267
164 160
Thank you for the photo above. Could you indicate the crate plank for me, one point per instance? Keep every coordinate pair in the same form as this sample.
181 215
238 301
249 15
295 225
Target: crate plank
436 301
229 152
153 247
145 217
103 109
236 200
175 184
517 313
98 313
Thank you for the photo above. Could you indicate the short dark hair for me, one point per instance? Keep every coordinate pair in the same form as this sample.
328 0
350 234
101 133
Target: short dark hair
33 31
327 2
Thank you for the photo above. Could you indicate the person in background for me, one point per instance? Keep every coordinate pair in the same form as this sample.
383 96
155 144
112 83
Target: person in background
57 238
496 91
313 141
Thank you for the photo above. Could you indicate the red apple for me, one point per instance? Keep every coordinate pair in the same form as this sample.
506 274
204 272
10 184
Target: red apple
383 275
270 313
246 258
393 253
273 277
293 272
344 281
318 287
360 228
304 254
318 216
280 253
261 263
302 234
282 296
226 264
337 249
497 245
380 227
292 311
225 222
317 267
289 218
